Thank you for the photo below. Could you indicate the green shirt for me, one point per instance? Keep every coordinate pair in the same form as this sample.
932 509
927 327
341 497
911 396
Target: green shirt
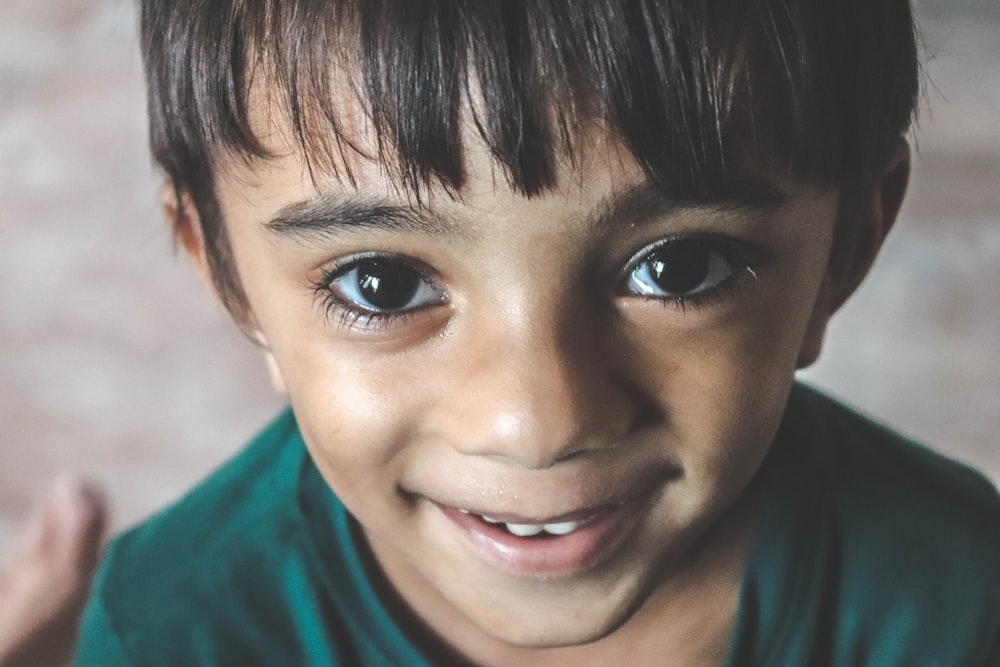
871 551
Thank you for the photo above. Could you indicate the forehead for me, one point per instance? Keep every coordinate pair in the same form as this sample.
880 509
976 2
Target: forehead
590 159
351 149
599 185
289 192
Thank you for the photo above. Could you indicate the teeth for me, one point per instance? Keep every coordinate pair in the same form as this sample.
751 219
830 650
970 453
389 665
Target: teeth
564 528
524 529
531 529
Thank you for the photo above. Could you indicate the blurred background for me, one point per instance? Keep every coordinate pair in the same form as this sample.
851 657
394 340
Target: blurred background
115 362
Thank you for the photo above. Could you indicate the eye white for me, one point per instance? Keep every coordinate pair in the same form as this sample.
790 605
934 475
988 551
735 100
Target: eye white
361 286
647 276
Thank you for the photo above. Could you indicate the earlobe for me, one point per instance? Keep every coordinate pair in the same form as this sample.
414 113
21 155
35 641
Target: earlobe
185 224
863 223
277 379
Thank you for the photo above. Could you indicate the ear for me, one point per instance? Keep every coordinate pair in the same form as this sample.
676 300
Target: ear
277 379
863 223
182 216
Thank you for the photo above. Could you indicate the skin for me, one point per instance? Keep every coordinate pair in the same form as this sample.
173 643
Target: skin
45 582
535 384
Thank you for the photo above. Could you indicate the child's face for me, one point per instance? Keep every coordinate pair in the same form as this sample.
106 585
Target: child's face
595 359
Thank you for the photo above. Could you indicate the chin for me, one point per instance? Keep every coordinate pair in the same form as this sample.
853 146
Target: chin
550 629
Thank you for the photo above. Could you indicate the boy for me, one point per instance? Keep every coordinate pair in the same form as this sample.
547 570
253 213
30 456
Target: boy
536 278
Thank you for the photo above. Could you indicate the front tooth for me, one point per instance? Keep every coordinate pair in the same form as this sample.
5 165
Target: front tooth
563 528
488 519
524 529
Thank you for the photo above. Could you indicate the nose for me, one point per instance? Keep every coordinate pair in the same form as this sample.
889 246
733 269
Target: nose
536 394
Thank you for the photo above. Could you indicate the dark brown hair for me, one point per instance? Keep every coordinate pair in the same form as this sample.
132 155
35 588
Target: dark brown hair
819 88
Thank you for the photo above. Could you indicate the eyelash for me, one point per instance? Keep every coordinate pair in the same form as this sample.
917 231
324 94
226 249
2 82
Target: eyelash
735 254
349 315
699 302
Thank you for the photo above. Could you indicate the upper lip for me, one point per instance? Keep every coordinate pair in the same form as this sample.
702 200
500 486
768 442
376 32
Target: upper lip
554 502
583 511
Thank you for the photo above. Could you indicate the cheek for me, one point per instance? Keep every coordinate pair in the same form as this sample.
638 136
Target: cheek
351 421
728 402
346 409
358 413
724 389
725 413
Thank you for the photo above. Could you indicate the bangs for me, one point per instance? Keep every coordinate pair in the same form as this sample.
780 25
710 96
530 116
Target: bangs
692 89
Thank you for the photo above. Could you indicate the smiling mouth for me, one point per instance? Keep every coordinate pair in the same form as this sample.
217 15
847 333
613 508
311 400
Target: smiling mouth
556 547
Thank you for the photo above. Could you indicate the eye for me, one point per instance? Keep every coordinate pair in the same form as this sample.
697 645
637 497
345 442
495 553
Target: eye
679 269
380 286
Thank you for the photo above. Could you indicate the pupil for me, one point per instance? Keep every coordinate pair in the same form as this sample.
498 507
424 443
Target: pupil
387 285
681 267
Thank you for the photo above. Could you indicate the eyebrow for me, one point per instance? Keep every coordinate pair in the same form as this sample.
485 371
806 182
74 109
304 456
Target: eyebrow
331 214
647 201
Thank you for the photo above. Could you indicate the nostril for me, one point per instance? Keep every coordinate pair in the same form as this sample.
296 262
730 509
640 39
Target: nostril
648 415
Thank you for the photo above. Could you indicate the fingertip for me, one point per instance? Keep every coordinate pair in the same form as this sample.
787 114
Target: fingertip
79 497
81 514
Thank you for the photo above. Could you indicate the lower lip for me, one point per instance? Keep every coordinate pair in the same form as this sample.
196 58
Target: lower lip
551 556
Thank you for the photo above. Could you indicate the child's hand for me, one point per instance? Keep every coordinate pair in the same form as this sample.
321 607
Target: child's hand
44 585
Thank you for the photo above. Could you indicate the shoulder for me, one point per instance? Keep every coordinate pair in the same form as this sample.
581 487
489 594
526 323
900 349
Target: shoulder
252 492
910 539
868 465
187 575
